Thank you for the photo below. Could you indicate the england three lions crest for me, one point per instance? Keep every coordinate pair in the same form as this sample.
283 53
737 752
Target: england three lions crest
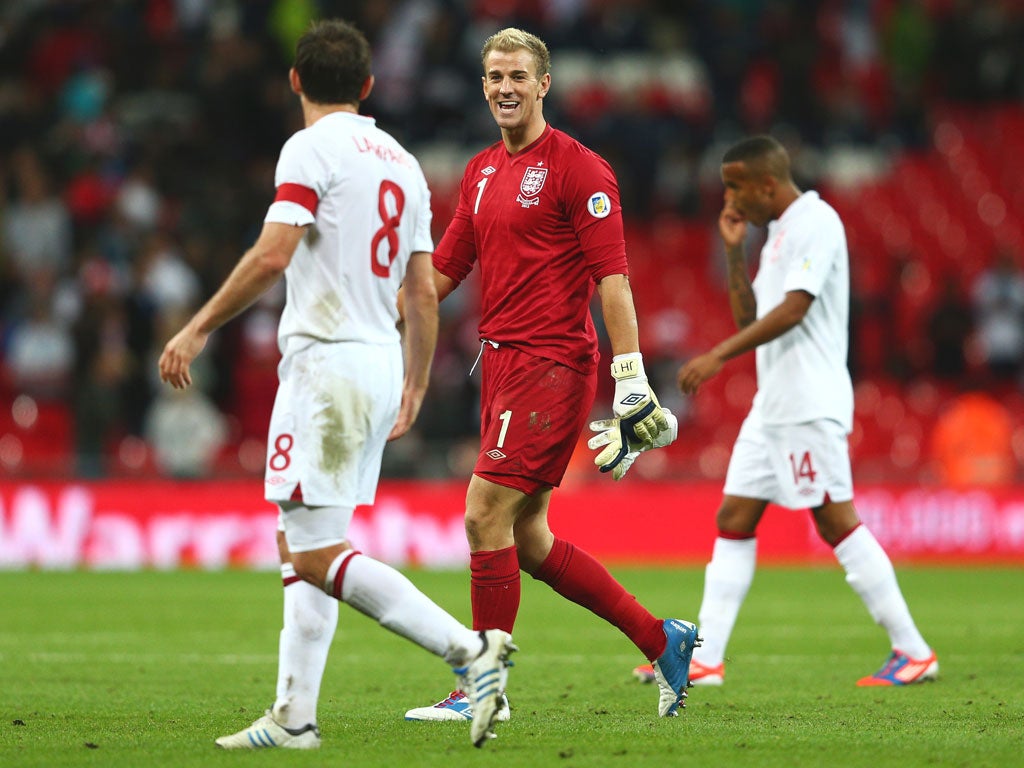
531 185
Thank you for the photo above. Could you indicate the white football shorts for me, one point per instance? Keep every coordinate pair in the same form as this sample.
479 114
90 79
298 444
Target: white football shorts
335 406
793 465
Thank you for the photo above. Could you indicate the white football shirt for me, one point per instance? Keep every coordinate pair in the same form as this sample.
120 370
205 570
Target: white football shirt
367 205
802 375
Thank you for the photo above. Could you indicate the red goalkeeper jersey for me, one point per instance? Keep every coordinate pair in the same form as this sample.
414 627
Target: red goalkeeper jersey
545 226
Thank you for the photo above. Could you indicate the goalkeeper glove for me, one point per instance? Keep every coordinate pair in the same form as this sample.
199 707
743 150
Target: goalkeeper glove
619 454
635 403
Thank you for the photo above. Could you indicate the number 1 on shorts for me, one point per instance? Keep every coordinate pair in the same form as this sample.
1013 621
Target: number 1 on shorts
505 417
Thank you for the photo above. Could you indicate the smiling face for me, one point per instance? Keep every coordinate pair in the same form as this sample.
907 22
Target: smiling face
750 191
515 95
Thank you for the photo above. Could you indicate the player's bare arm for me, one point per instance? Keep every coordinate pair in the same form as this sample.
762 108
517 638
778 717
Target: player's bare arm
419 304
639 422
443 285
258 270
619 314
733 229
784 317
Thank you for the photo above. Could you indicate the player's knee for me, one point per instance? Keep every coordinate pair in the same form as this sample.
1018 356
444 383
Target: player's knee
833 534
483 528
835 521
736 522
308 570
475 532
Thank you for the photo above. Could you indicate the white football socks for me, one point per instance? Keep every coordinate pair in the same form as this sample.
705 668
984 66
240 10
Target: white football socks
384 594
727 578
310 619
869 571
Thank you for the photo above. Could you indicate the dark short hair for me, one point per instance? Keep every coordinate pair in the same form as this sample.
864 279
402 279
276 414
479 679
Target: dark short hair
332 59
761 152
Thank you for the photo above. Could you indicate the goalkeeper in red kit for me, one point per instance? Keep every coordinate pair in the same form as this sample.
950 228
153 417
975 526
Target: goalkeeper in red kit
539 216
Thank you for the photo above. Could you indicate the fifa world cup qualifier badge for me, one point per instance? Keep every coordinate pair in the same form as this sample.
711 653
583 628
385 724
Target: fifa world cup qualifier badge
531 185
599 205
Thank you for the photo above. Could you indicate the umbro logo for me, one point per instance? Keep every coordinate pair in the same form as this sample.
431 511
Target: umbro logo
633 399
495 454
488 170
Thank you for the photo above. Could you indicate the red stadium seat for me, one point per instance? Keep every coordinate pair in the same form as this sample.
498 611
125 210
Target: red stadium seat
37 437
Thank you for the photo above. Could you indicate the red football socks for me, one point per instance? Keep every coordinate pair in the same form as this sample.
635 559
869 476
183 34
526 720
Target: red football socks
495 588
577 576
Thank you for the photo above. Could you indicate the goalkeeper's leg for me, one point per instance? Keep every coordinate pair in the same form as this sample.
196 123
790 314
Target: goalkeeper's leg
577 576
495 581
668 644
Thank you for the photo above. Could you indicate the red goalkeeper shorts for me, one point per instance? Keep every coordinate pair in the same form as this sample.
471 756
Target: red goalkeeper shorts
532 412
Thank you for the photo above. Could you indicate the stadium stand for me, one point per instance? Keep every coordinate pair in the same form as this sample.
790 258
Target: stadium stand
137 143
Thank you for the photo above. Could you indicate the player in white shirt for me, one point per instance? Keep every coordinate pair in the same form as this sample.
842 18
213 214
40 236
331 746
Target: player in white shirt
349 225
792 448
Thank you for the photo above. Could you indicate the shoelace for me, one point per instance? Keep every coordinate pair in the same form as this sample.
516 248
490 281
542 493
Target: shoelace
890 665
453 697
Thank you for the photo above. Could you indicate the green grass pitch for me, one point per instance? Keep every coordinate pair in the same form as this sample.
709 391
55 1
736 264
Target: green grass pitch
146 669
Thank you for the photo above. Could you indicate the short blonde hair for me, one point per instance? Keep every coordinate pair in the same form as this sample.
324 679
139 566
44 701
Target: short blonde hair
512 39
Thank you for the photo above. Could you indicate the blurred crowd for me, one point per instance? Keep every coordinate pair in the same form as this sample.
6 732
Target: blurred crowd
137 147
